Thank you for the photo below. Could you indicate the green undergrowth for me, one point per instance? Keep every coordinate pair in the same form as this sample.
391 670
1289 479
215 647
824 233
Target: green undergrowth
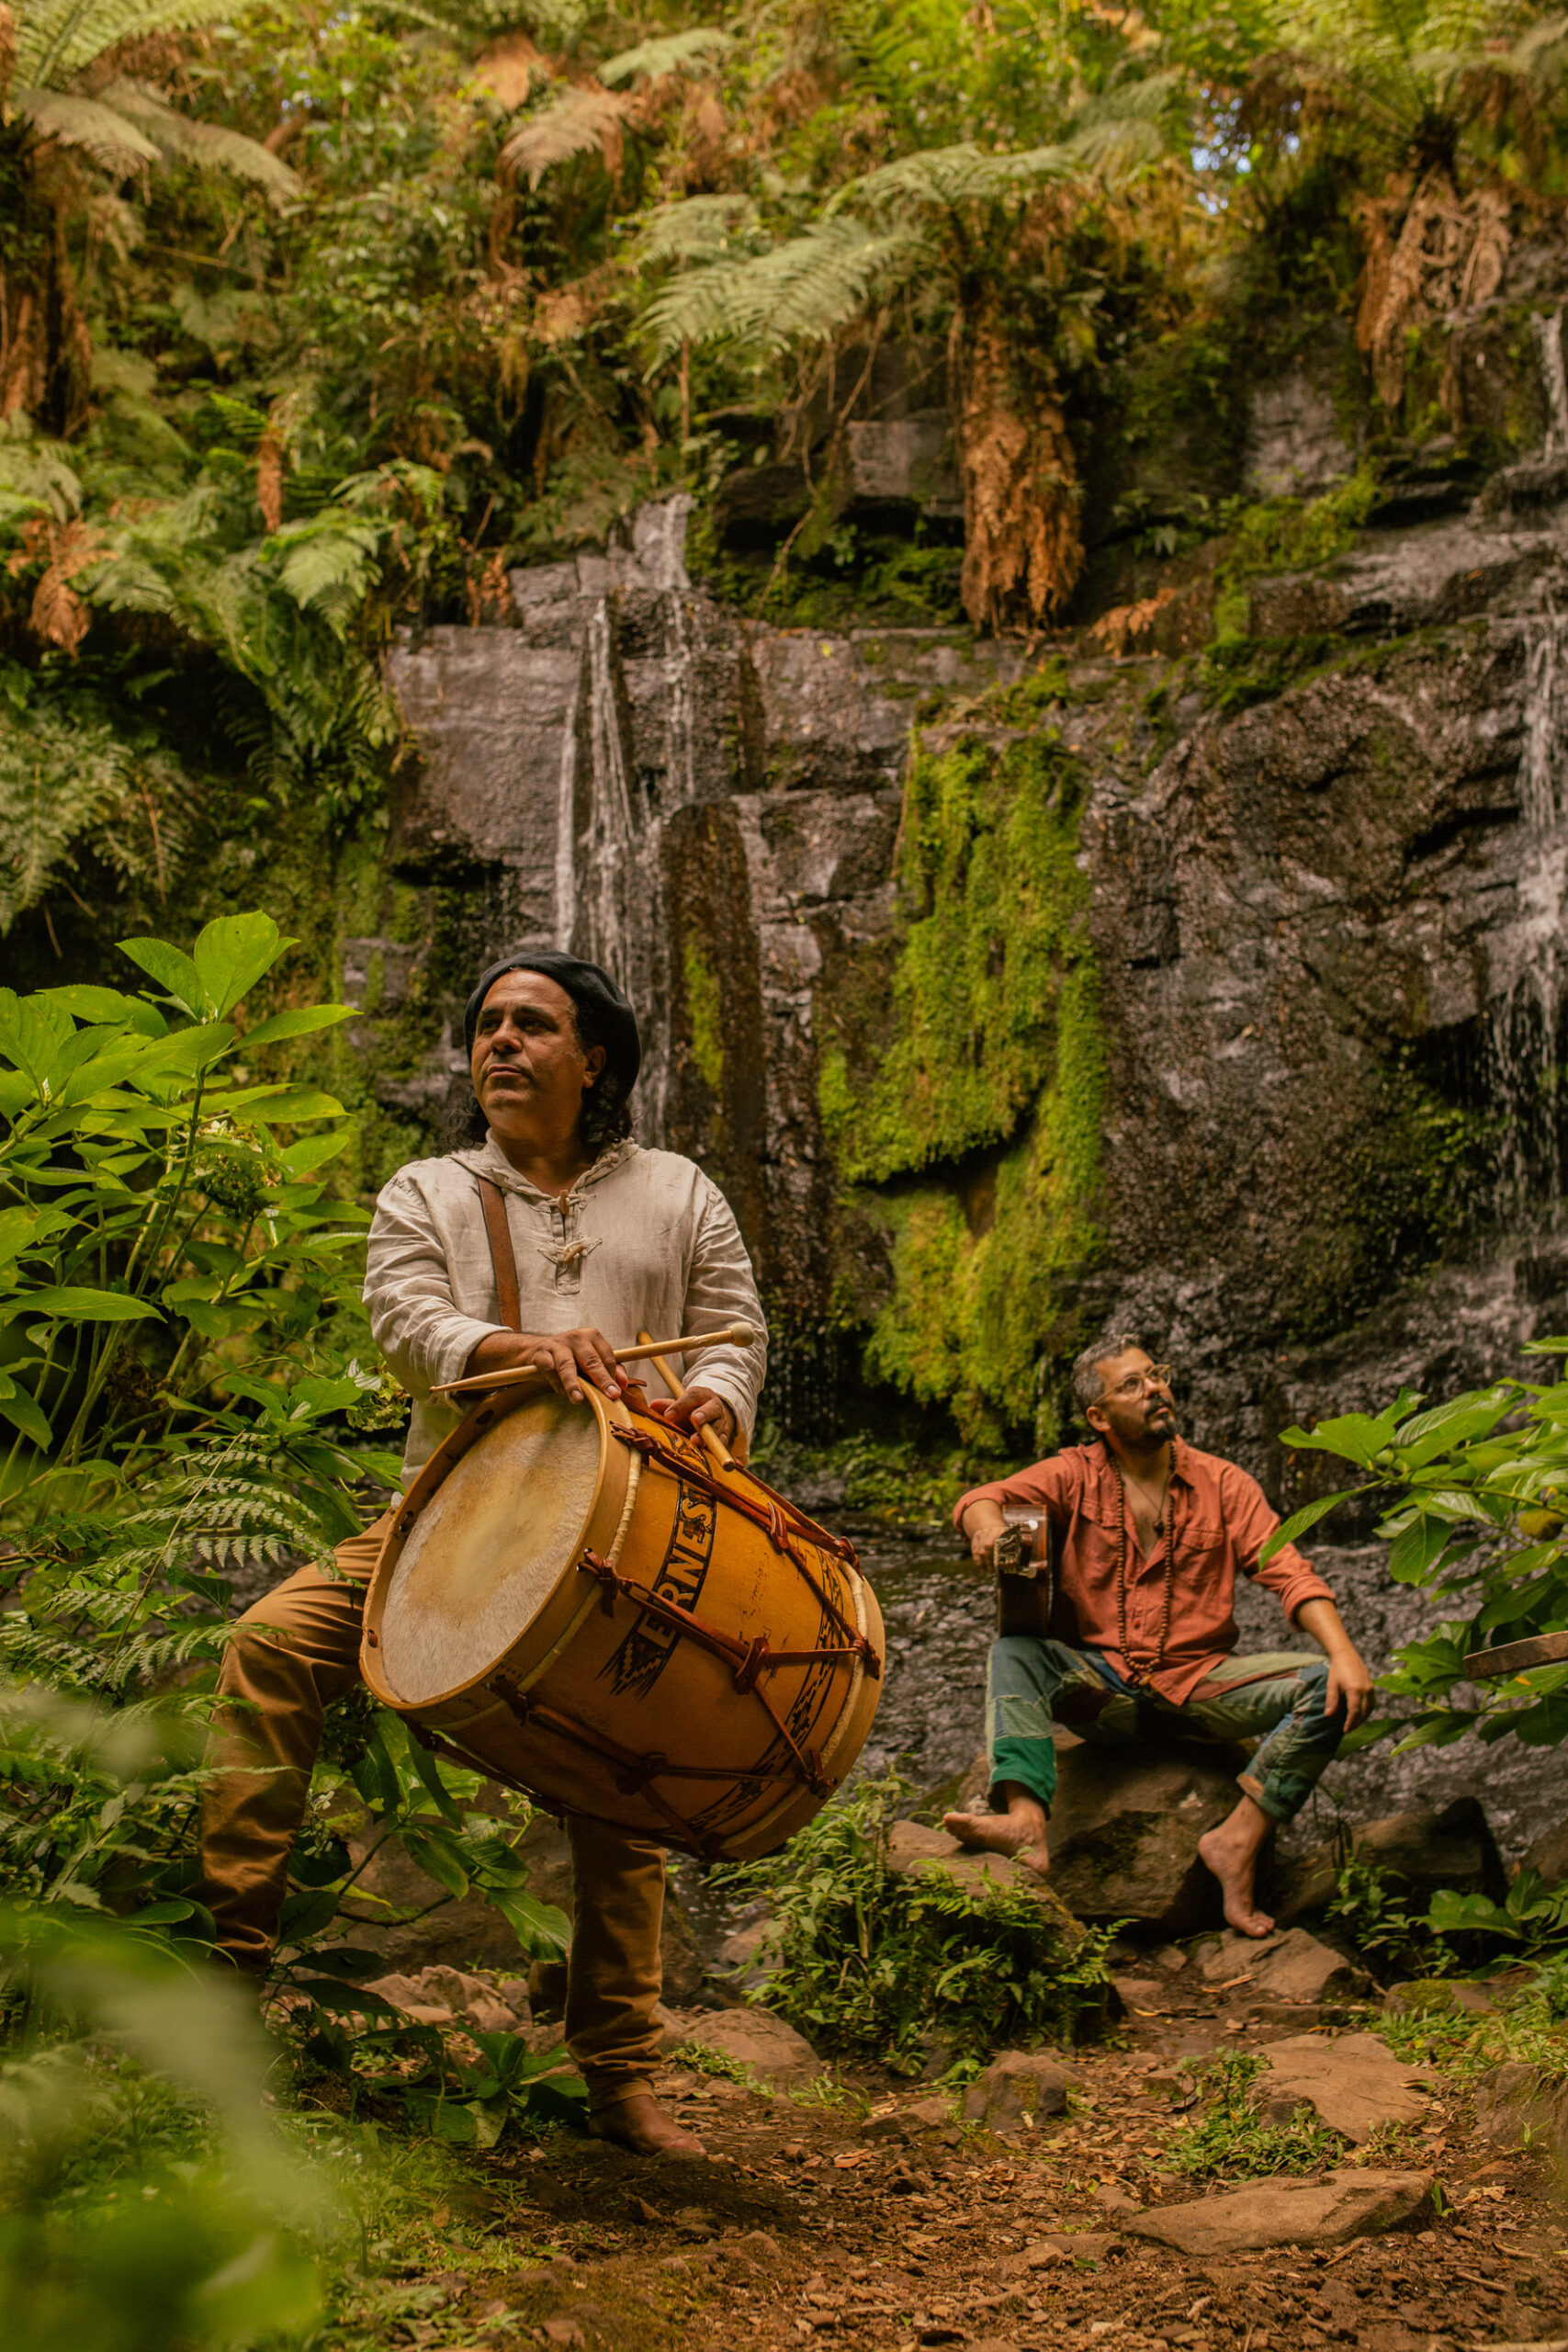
1230 2139
991 1069
898 1968
1530 2028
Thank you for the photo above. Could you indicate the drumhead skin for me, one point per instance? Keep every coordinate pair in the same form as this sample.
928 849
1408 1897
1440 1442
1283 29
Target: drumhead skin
581 1602
489 1548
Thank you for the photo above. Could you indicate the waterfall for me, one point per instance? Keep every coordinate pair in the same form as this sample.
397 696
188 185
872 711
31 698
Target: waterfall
1547 333
565 828
1546 722
609 868
1526 1036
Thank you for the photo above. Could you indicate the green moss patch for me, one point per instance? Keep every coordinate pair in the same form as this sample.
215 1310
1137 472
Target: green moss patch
993 1069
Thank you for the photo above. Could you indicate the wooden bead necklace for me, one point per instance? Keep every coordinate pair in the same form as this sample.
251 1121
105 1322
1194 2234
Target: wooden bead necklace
1165 1527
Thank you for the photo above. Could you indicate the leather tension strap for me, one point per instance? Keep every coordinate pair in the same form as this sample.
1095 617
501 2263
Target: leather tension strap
492 1202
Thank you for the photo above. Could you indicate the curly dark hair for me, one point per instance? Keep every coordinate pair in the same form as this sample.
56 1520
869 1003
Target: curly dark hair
606 1116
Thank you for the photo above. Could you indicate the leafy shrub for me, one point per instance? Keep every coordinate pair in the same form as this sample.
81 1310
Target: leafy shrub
888 1965
178 1304
149 2201
1474 1500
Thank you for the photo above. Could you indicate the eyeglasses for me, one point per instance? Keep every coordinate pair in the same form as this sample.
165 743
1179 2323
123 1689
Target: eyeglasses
1158 1375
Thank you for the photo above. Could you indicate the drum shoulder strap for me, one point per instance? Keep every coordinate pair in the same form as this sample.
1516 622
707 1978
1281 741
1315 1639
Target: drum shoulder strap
498 1233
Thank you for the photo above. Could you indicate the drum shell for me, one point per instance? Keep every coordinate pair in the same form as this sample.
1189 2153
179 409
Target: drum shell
620 1675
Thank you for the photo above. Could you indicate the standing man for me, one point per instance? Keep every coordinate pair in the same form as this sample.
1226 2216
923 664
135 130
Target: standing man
1152 1534
551 1229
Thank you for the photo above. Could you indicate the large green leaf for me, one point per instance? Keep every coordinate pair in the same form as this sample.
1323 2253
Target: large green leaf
1300 1521
171 971
302 1023
82 1306
27 1414
1358 1437
234 953
1476 1415
107 1006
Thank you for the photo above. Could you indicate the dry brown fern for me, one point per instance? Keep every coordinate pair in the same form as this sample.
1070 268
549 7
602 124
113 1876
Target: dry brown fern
57 614
1430 254
1023 549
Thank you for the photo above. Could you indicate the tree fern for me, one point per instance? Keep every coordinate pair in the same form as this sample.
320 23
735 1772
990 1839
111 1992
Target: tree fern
809 287
58 777
670 53
57 39
575 123
178 138
698 229
100 130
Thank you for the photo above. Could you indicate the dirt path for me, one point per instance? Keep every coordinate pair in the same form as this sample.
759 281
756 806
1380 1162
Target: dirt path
807 2224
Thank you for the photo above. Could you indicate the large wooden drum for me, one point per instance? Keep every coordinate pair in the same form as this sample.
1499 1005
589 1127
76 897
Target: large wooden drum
581 1602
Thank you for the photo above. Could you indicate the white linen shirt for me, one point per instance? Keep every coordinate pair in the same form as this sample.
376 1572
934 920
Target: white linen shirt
643 1241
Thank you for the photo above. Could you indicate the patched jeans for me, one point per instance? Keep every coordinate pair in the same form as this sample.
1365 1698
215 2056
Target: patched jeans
1276 1698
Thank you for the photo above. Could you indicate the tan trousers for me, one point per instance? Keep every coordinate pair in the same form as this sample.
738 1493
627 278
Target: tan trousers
287 1656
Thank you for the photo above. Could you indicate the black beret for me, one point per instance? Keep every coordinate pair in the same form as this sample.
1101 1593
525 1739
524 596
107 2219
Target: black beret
604 1014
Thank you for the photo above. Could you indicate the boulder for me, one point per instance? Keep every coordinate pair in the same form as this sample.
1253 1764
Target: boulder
1548 1855
1287 1966
1517 2105
1016 2090
1421 1850
912 1847
1330 2212
753 2038
908 2122
1124 1831
442 1996
1353 2083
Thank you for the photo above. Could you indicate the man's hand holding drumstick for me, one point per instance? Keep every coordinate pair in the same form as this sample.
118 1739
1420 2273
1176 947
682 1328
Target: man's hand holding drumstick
565 1359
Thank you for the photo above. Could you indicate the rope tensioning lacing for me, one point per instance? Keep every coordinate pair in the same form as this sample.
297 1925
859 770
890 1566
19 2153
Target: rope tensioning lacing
778 1519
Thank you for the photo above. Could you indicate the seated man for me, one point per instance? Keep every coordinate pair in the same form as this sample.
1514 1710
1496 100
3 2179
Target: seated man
1142 1633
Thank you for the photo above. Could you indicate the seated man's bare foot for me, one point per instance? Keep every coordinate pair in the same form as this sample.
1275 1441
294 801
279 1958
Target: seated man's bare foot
1233 1862
1017 1833
639 2123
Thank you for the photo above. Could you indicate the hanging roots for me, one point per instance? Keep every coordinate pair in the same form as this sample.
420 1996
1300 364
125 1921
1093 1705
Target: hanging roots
1023 547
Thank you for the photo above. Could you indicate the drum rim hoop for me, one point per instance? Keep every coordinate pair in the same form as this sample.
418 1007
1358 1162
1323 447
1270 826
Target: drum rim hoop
606 1518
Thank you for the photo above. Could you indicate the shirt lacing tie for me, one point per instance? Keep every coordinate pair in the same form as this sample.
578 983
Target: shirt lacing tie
567 1255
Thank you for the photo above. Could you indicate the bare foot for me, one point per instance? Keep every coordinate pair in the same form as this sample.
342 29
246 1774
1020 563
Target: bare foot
1021 1836
639 2123
1232 1863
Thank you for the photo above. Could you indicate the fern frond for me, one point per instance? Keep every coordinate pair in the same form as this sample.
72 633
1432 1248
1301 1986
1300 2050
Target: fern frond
806 288
34 478
327 565
180 139
696 230
57 39
100 130
702 45
945 177
580 121
56 778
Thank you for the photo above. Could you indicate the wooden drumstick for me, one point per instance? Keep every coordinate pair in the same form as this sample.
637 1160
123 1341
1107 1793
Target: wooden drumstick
668 1374
734 1335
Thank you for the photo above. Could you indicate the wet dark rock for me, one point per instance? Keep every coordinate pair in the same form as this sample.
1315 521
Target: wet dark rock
1517 2105
1125 1832
1548 1855
1420 1851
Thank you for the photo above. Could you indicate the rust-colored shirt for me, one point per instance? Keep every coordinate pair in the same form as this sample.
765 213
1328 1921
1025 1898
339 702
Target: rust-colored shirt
1220 1522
